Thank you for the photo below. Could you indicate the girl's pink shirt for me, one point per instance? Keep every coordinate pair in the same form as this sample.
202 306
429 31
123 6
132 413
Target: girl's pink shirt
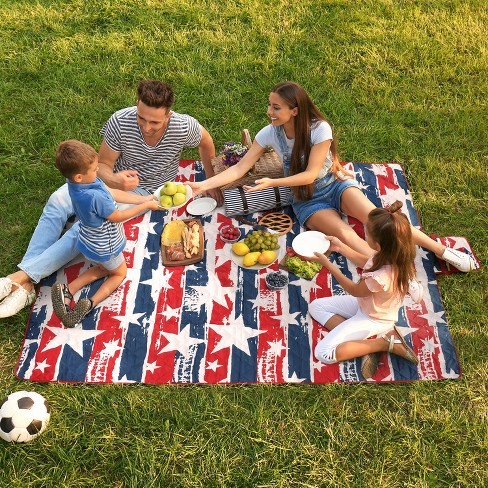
382 304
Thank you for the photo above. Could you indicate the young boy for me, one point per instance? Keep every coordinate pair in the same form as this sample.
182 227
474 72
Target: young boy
101 236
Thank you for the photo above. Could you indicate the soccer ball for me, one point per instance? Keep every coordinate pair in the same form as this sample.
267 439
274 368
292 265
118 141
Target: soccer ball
23 416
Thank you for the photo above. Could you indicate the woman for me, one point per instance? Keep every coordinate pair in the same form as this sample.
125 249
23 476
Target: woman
302 137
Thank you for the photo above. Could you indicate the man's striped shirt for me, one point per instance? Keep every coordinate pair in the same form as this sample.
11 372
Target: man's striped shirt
155 164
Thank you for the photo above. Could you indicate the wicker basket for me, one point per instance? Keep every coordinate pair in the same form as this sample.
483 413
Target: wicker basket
269 164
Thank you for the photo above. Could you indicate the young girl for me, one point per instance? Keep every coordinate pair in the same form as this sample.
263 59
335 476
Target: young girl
303 139
371 308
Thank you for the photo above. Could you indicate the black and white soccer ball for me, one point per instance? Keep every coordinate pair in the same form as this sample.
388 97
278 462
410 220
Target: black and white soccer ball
23 416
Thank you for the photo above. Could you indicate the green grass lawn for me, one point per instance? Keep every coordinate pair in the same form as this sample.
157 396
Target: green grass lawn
402 81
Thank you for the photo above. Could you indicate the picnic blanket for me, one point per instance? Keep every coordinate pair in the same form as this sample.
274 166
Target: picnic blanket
217 322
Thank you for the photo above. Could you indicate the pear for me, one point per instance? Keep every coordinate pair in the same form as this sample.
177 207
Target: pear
240 248
251 258
267 257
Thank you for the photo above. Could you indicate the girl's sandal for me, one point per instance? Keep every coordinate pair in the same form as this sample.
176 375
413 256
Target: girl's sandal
370 365
409 354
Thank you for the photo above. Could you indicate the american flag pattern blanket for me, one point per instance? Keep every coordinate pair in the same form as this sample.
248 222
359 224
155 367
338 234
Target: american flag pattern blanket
216 322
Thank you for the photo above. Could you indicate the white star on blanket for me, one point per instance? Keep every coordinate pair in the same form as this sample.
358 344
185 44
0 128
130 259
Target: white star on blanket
236 334
181 342
73 338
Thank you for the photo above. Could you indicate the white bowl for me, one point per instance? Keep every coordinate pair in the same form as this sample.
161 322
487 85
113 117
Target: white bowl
189 194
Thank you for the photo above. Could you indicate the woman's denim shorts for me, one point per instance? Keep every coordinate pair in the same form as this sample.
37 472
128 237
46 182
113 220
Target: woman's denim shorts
327 197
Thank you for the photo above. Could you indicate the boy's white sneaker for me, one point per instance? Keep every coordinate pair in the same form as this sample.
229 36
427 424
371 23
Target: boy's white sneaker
462 261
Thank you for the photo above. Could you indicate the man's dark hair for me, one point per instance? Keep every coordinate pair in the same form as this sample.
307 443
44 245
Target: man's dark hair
155 94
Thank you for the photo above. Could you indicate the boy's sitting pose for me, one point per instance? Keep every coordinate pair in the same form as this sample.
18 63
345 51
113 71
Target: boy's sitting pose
101 236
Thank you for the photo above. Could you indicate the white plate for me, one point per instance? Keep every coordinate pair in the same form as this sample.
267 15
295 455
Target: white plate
189 194
309 242
238 260
201 206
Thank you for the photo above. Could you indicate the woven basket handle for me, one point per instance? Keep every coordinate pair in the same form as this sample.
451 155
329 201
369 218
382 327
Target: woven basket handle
246 138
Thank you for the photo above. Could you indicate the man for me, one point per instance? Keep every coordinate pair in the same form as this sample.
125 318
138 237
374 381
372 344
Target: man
140 151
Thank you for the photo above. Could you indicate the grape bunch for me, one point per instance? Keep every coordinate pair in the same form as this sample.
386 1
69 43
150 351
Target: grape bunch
259 240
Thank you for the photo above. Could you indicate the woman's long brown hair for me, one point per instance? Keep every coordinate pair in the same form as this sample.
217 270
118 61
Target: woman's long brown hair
393 233
296 97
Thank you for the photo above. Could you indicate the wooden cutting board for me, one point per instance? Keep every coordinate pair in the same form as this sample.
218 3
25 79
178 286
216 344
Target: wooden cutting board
184 262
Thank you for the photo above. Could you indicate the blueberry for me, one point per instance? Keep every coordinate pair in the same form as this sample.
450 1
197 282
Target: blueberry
276 280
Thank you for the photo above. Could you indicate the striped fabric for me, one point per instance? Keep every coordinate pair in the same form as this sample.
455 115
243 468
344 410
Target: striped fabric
154 164
239 202
104 241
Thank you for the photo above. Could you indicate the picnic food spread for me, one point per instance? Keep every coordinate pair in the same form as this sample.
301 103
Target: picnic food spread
182 242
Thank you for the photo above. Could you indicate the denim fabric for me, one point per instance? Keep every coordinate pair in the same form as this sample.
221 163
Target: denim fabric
327 191
113 263
47 251
327 197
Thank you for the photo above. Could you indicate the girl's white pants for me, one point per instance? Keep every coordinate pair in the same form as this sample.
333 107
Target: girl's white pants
357 326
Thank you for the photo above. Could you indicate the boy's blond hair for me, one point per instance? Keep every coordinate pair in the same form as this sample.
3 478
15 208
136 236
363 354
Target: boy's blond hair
74 157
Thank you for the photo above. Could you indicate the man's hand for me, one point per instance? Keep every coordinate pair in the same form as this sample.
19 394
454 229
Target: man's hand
125 180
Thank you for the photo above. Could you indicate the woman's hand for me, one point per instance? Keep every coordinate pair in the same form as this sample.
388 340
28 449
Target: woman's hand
217 195
198 187
261 184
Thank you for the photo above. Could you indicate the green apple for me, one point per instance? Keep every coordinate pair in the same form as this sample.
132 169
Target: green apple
166 201
169 188
181 188
179 198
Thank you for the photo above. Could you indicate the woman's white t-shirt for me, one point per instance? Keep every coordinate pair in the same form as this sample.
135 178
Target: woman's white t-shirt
321 131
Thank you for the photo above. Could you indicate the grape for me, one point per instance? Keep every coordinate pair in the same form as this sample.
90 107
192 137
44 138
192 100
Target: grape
258 240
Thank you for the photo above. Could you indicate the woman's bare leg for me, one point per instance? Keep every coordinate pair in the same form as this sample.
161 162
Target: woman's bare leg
330 223
356 204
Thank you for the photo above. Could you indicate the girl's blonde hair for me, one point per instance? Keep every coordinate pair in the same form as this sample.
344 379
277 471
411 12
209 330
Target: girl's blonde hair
295 96
393 233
